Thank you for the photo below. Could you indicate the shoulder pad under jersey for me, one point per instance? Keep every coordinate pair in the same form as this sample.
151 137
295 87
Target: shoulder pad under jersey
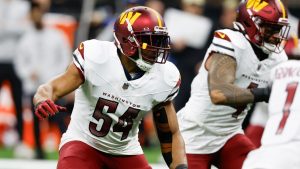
94 51
171 78
227 41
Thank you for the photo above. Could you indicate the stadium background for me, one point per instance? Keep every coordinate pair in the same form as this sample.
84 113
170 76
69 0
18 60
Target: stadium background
80 20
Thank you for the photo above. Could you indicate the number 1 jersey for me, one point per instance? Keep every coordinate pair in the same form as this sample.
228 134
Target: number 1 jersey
283 124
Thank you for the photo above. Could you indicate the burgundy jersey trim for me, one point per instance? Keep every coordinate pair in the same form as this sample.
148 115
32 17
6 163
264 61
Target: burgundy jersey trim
222 35
178 83
81 50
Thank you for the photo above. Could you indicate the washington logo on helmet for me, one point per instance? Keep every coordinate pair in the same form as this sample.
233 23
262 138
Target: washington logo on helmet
129 15
256 5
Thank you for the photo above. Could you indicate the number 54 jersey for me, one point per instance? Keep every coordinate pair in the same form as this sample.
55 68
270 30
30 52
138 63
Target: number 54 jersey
108 107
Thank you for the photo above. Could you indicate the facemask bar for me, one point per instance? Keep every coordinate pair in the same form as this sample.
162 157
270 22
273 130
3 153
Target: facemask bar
150 52
280 40
155 47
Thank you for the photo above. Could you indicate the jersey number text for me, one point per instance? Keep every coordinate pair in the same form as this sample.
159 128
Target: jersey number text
291 90
100 114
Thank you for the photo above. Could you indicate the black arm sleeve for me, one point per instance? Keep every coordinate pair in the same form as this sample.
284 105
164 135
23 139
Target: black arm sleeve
163 132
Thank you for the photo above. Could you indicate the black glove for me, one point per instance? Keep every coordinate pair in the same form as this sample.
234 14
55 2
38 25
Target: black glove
261 94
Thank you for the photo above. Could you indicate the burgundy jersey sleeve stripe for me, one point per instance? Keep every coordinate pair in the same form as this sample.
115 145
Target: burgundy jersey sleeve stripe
222 35
81 50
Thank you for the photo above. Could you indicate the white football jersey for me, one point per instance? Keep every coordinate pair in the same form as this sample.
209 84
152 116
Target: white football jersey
206 127
284 105
260 115
108 108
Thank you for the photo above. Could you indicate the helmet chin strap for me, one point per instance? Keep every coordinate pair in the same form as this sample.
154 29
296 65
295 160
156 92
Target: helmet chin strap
269 48
144 66
139 62
265 50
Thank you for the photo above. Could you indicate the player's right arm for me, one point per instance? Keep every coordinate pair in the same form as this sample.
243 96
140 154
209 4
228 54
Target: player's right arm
221 75
54 89
171 141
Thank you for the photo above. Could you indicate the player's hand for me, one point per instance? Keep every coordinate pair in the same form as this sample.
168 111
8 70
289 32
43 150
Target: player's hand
261 94
47 108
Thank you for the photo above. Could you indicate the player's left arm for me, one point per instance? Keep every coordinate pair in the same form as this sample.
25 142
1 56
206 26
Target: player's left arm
171 141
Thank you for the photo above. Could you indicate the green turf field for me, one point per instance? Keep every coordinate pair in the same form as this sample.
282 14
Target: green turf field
152 154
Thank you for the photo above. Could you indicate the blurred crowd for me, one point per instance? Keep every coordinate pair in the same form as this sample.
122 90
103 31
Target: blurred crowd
37 39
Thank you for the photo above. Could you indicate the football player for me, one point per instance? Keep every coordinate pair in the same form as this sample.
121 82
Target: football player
234 74
281 137
259 116
116 84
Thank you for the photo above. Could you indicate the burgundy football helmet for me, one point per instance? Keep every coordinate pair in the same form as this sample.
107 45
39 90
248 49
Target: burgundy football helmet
264 23
140 34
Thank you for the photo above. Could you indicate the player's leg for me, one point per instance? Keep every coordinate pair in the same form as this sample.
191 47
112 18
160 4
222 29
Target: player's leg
8 73
254 133
234 152
199 161
76 154
17 93
257 123
126 162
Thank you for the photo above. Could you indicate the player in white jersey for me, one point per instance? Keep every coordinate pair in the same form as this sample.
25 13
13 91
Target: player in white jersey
233 75
257 122
259 116
116 85
281 138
